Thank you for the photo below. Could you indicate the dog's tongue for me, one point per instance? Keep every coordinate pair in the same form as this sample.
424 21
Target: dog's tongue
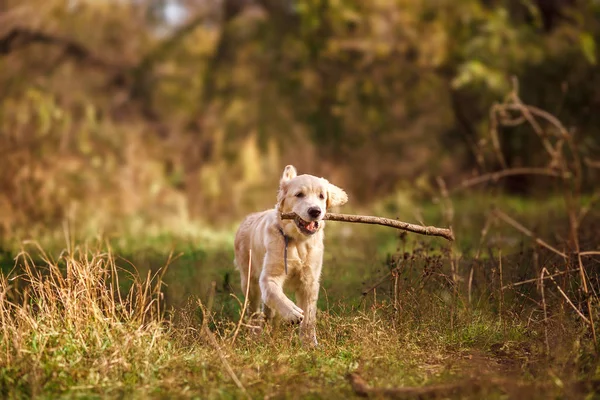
311 226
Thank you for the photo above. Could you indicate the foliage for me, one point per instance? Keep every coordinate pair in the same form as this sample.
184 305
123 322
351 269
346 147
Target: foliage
138 113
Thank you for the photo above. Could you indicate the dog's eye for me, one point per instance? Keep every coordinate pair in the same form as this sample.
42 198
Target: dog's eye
300 195
322 196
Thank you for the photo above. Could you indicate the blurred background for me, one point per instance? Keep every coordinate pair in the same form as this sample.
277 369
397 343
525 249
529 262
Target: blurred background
156 113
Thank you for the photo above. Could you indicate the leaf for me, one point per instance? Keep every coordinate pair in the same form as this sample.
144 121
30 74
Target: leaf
475 72
588 46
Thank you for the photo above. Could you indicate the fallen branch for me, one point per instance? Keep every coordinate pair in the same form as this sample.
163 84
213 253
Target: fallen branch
366 219
459 388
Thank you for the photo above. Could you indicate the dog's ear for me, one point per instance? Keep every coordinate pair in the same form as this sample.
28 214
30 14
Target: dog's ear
335 196
289 173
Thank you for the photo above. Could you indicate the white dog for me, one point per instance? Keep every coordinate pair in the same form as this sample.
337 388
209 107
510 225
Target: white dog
288 252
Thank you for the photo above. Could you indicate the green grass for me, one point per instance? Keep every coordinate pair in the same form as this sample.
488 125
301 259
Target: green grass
67 333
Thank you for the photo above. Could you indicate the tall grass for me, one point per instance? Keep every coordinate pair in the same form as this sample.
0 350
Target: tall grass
67 324
79 325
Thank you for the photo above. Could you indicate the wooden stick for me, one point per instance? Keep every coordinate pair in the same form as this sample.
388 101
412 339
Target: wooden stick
366 219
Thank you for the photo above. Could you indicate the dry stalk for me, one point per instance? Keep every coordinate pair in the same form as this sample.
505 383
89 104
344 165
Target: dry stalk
589 253
494 111
230 372
585 210
365 219
585 319
213 341
527 232
397 305
541 283
484 232
449 217
501 305
591 163
535 280
454 291
566 163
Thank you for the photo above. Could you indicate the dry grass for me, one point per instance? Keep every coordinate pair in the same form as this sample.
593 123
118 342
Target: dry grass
66 325
79 326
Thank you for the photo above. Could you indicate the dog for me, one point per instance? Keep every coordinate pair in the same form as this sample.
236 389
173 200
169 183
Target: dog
287 253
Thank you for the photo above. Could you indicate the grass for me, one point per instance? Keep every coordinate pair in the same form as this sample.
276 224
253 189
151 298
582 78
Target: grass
84 322
71 334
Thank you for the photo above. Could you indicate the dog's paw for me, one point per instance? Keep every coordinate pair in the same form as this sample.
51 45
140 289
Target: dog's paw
308 336
294 315
309 341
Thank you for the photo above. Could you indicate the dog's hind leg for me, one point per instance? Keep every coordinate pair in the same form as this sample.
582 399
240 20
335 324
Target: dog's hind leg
307 300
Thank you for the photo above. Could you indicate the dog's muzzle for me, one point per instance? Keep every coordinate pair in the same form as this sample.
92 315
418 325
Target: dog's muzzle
307 227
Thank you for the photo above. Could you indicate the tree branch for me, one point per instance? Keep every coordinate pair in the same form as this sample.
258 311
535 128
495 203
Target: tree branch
22 37
365 219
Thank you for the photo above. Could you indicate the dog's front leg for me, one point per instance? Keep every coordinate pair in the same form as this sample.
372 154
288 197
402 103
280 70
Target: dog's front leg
271 287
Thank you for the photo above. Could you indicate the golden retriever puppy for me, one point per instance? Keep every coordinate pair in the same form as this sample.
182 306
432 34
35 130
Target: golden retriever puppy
287 253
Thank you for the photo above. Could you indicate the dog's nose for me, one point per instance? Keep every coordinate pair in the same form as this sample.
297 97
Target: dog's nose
314 212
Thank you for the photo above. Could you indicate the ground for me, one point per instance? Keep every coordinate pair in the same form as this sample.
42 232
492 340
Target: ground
398 317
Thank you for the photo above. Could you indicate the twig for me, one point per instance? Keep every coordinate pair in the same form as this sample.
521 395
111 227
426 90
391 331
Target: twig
533 280
544 270
527 232
375 286
584 210
573 222
590 253
591 163
365 219
495 176
494 135
237 329
587 321
482 237
588 300
454 291
213 342
501 305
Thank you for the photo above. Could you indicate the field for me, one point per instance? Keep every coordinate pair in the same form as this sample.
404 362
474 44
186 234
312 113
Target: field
135 136
398 316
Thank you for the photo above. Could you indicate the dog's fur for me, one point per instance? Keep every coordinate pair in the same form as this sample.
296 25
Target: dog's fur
263 233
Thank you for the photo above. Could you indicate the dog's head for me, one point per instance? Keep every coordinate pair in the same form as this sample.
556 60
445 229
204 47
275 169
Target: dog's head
309 198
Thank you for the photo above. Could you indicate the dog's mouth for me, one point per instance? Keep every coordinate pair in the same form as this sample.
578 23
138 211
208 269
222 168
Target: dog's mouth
306 227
